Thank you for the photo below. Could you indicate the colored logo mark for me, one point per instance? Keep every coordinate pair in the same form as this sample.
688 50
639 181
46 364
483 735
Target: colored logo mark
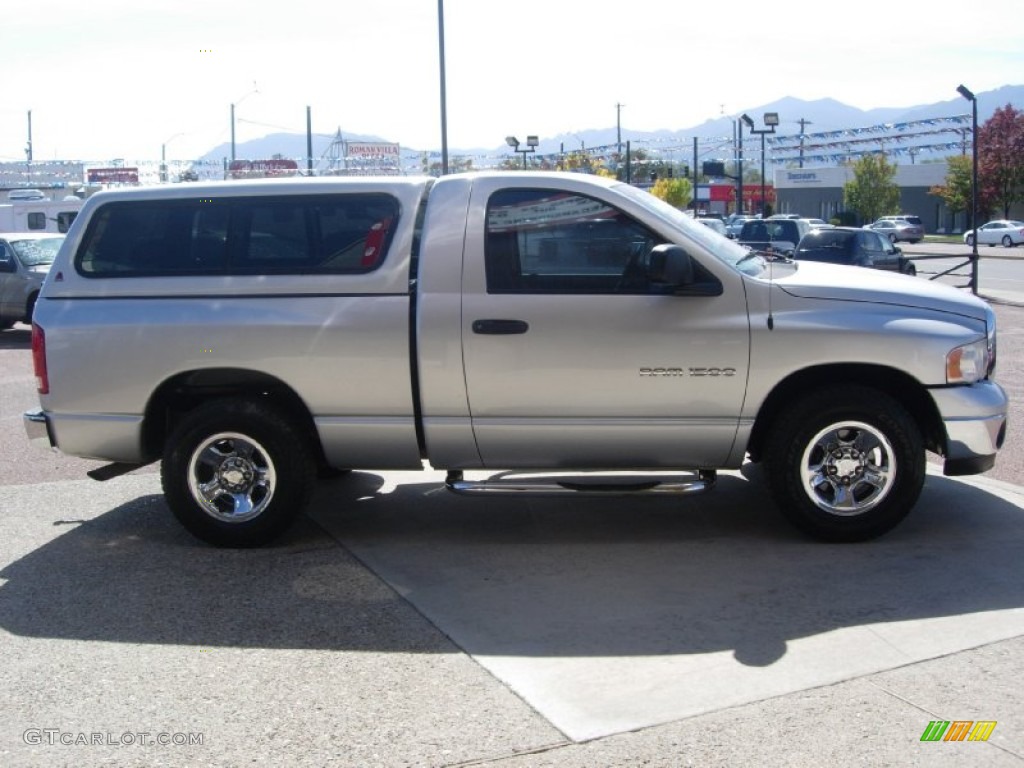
958 730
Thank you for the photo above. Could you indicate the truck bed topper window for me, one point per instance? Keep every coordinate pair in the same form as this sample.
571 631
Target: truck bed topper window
293 234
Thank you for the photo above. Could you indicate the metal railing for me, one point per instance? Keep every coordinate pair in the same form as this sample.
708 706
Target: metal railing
969 260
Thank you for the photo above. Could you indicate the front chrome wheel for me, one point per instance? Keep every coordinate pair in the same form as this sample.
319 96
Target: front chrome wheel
231 477
845 462
848 468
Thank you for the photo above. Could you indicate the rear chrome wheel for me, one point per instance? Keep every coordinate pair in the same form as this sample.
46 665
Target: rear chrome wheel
236 473
231 477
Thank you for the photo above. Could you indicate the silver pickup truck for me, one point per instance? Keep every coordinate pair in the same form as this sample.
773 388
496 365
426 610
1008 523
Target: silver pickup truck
253 334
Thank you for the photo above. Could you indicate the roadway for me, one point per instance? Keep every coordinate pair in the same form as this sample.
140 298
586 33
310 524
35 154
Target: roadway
1000 274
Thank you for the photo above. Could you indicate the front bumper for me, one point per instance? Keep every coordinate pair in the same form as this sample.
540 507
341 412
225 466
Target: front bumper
974 418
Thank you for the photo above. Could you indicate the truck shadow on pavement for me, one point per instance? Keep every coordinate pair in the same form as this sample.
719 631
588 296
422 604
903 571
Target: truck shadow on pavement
516 577
18 337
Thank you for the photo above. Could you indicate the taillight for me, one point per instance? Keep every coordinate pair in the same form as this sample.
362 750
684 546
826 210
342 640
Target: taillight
39 360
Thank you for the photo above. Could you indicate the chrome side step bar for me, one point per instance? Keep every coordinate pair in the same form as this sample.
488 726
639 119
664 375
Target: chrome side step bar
535 484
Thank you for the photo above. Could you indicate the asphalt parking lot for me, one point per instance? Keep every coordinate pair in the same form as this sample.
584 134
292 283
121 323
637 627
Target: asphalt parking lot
398 625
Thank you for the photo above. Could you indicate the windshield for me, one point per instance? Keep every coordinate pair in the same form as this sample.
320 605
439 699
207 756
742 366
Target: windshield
37 252
725 250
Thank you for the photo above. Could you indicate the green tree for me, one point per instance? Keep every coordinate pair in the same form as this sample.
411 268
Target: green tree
456 164
872 192
677 192
1001 161
578 161
956 192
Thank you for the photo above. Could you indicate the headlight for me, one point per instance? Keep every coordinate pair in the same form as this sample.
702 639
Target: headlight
969 363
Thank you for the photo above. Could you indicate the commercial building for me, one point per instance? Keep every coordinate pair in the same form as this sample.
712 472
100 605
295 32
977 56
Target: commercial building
818 193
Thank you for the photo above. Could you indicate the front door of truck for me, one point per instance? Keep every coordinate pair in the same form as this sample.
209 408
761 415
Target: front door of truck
572 358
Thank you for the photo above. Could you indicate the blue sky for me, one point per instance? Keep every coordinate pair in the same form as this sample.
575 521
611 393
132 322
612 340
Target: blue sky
122 78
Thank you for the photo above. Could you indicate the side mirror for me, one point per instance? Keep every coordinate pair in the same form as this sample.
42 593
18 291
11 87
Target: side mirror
670 265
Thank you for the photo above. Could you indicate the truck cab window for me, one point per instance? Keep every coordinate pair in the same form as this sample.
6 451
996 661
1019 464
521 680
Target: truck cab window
547 241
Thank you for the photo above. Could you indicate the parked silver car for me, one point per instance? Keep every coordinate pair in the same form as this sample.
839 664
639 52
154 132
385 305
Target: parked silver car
735 223
897 229
25 258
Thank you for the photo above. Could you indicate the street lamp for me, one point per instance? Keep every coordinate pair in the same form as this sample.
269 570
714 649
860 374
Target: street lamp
444 97
963 91
531 146
771 119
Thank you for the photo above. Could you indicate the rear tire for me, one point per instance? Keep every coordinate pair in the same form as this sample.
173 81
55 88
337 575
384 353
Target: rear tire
30 307
236 473
845 464
1007 241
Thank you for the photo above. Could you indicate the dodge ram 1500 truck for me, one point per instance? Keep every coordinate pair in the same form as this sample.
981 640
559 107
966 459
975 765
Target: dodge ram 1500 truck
250 334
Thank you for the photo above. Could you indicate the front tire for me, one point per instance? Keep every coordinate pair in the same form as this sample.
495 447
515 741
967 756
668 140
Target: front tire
236 473
969 240
845 464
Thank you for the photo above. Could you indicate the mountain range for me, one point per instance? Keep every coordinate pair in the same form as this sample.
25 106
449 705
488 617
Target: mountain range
822 115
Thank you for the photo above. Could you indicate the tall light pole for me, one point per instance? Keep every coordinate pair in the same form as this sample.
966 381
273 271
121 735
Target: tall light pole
963 91
444 96
771 119
531 146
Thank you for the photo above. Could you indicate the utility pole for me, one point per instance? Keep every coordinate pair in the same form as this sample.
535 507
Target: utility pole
28 148
309 141
803 123
618 125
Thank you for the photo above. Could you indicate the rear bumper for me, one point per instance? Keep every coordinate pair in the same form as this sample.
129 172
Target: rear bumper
106 437
37 427
974 418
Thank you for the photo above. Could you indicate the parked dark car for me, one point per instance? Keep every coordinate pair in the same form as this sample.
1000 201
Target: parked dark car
854 247
779 235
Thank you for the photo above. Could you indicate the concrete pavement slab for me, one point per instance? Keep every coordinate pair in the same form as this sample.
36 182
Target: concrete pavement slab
118 629
611 615
695 632
871 721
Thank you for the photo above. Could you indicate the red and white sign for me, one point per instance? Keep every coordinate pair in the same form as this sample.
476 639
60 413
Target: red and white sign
112 175
365 150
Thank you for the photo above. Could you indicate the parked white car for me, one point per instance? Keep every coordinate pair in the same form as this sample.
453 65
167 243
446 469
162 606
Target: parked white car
1005 232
